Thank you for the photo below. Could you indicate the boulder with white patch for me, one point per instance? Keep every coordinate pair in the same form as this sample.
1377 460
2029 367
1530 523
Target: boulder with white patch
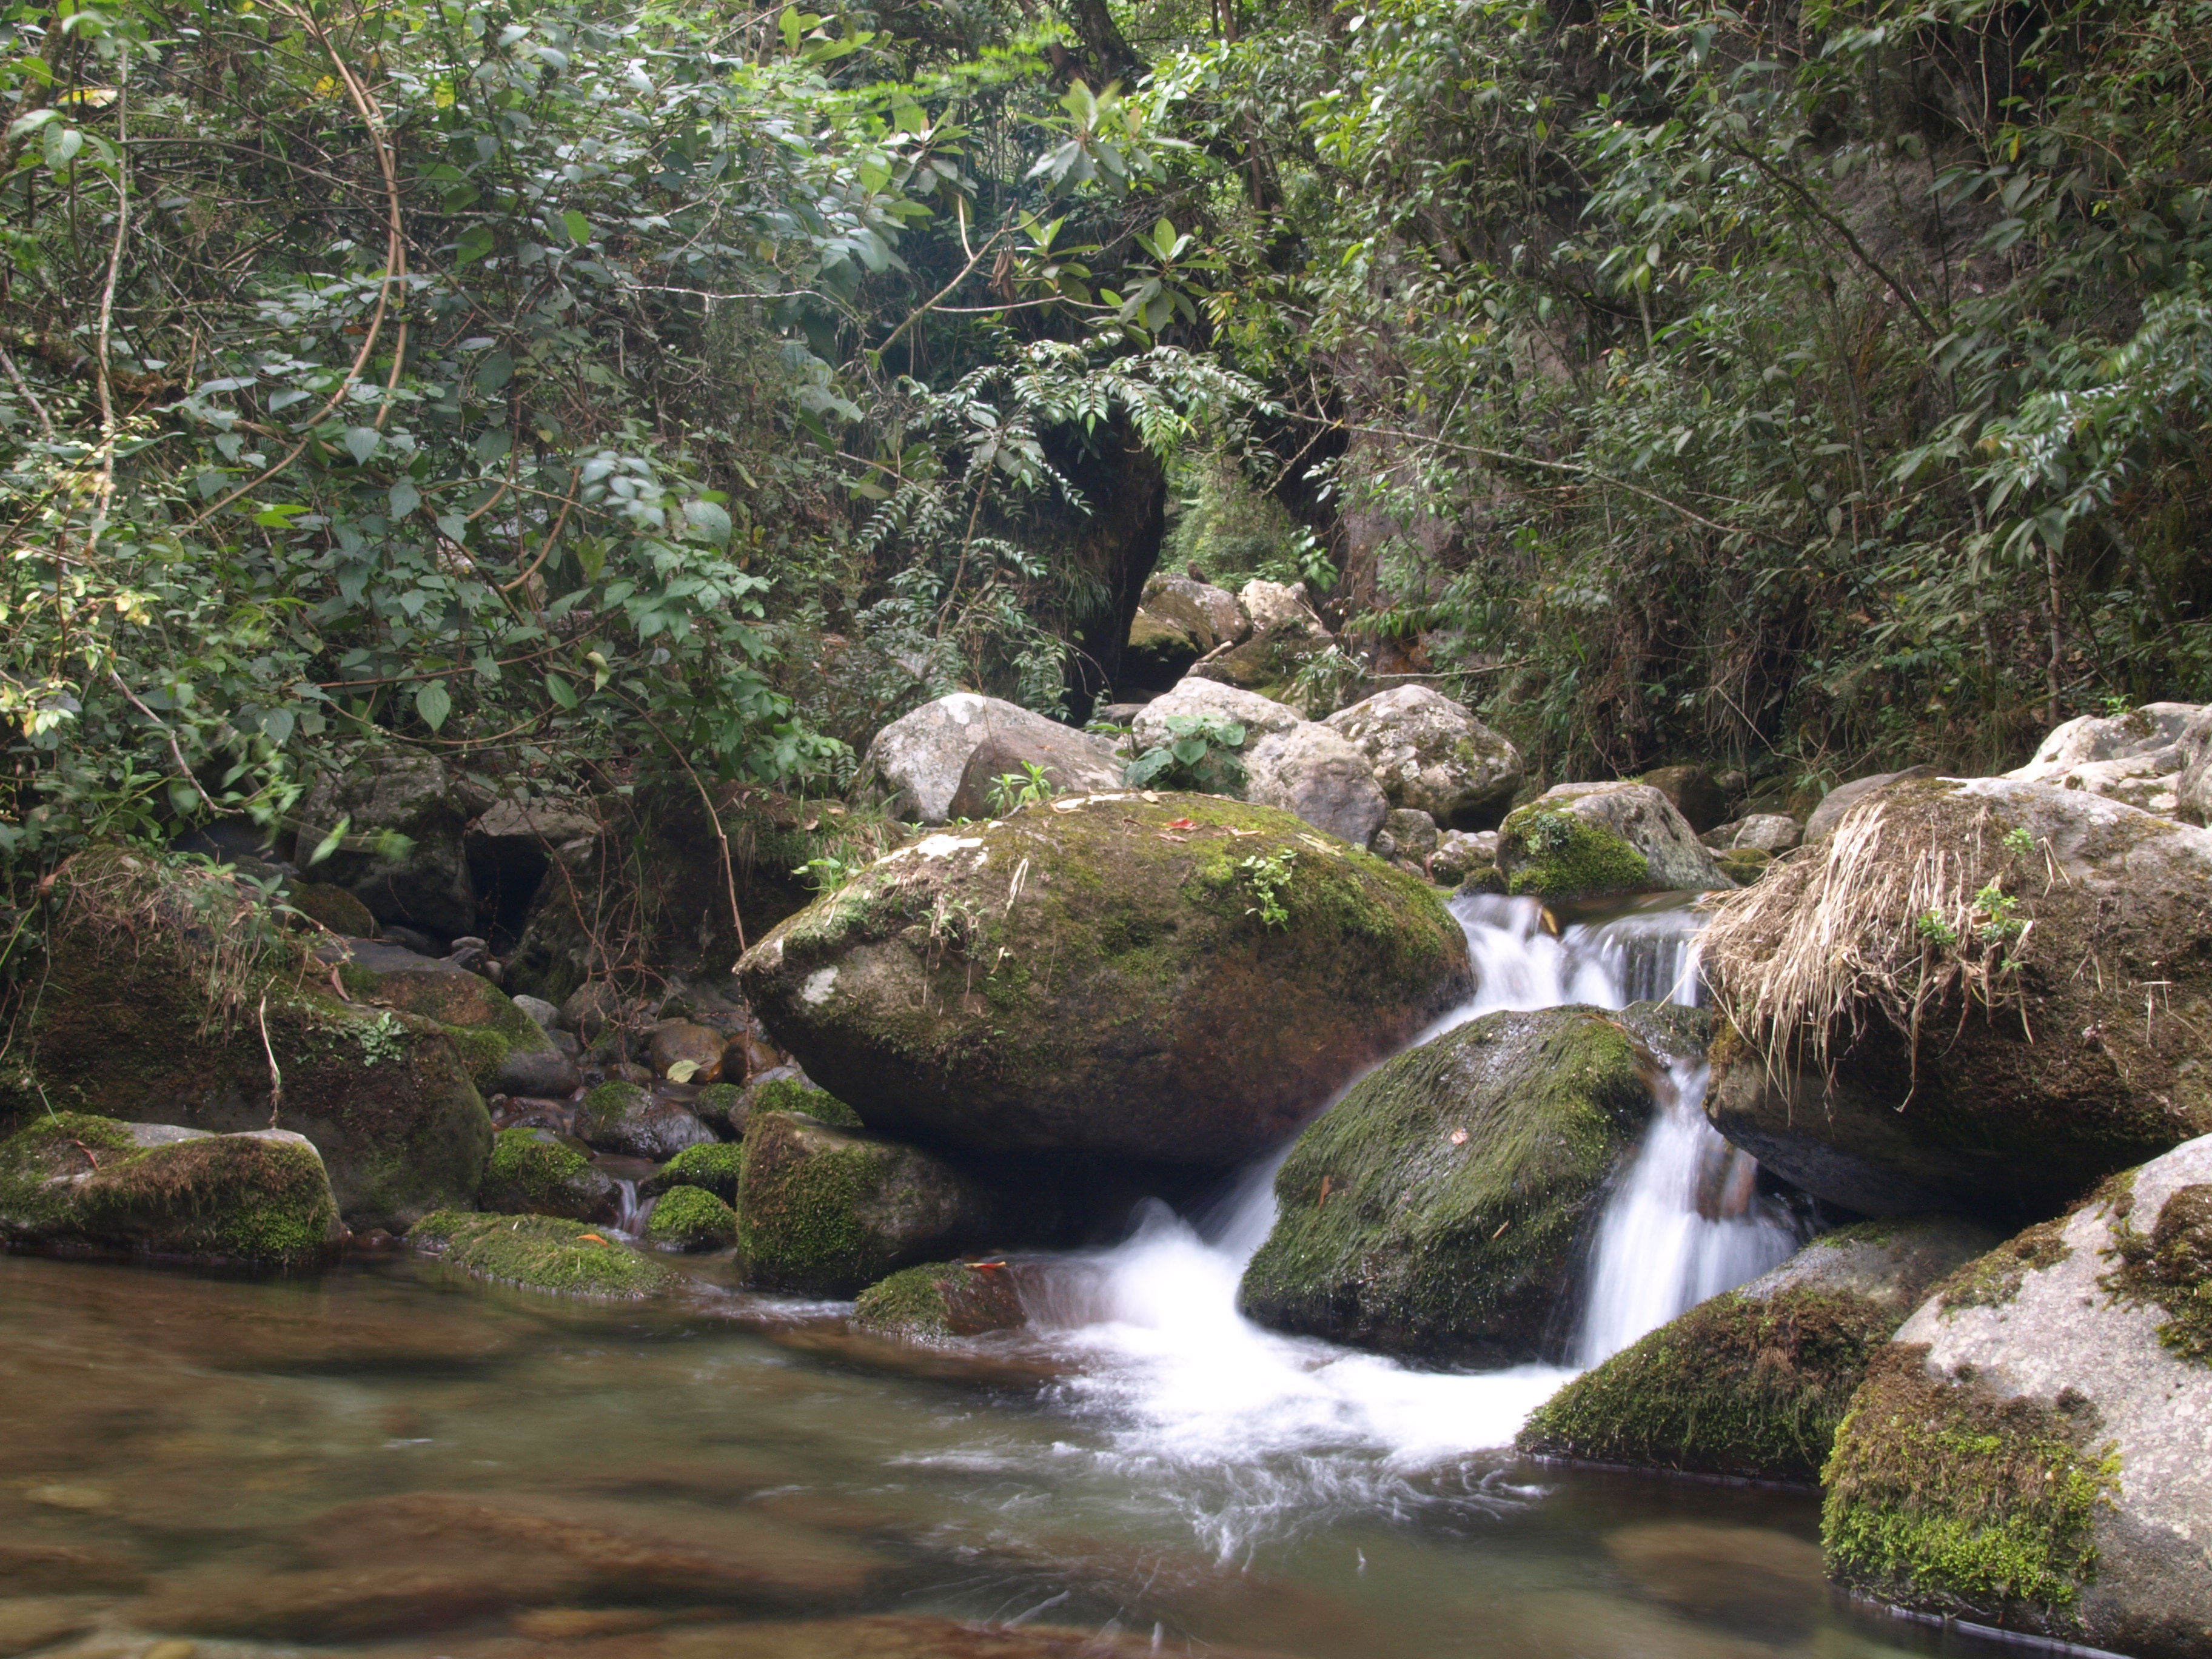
1431 754
2136 758
1142 975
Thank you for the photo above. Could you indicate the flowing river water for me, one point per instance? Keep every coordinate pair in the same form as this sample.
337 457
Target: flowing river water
382 1459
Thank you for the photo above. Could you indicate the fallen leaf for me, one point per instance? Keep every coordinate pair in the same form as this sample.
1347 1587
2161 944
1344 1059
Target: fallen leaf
1182 824
1500 1233
589 1238
1150 796
1458 1137
1240 832
1325 1182
984 1266
1070 805
1165 837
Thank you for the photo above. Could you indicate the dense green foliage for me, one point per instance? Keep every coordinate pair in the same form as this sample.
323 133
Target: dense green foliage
578 387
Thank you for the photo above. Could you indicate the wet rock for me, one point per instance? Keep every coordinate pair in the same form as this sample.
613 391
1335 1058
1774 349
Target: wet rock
625 1118
1844 796
132 1025
1459 854
1070 760
941 1299
827 1212
540 1252
1439 1208
2031 1451
695 1051
596 1007
919 759
506 1051
533 1172
1310 771
402 855
1584 840
262 1195
1428 752
2059 1000
1090 977
1764 832
713 1168
2192 785
1693 793
1753 1382
691 1218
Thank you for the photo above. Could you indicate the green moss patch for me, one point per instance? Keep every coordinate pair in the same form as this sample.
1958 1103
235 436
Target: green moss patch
1993 1279
691 1218
940 1300
1557 854
607 1105
1735 1387
1943 1497
2170 1266
787 1094
541 1253
531 1172
713 1168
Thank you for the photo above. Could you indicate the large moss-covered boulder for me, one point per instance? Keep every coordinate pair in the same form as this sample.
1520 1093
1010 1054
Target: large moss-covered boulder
1981 997
1592 840
942 1299
1429 754
1441 1207
2034 1450
505 1050
1753 1382
1158 976
534 1172
72 1179
167 990
827 1212
542 1253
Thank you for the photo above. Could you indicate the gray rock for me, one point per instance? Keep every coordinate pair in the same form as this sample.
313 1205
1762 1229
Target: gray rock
1259 715
623 1117
547 1015
547 820
2135 758
1459 854
2070 1352
1429 753
1634 815
2192 786
1844 796
548 1073
1178 622
1072 761
919 759
1311 771
1285 636
1890 1263
1696 796
1412 834
1123 714
1760 832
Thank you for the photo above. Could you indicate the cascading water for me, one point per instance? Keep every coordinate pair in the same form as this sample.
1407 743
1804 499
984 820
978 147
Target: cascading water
1192 1386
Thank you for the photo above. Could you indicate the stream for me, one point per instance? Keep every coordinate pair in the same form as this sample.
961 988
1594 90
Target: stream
346 1462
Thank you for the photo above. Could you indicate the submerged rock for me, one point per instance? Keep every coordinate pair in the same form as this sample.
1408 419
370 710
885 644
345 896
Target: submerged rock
1429 753
1588 840
2034 1450
1440 1208
533 1172
540 1252
1171 977
920 758
942 1299
1753 1382
2059 990
74 1179
827 1212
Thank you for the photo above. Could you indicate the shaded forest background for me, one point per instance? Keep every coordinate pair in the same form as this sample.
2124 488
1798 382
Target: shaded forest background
596 392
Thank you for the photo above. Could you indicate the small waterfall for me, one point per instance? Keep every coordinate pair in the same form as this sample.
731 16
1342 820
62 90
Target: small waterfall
630 1216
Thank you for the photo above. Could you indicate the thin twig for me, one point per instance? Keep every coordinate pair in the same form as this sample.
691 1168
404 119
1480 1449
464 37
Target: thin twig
276 1075
102 336
45 425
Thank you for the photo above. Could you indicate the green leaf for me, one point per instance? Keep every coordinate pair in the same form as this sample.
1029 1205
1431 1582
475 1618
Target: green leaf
578 226
561 691
433 702
329 844
404 499
475 243
708 521
360 442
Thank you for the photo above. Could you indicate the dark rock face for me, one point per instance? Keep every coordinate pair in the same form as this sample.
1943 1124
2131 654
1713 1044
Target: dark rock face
403 854
623 1117
2031 1081
827 1212
2031 1451
1439 1208
1097 976
1754 1382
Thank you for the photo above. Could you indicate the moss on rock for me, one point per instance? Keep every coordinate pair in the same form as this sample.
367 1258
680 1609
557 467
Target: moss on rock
2170 1266
827 1212
1942 1495
540 1252
1551 853
941 1299
713 1168
533 1172
1096 974
1438 1209
329 905
691 1218
785 1094
261 1196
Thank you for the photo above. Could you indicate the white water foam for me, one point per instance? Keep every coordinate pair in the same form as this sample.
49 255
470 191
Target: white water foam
1186 1385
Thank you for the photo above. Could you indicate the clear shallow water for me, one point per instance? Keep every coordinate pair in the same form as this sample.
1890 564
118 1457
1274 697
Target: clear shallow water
389 1460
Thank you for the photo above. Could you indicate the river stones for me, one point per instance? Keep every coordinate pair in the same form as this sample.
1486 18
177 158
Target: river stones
1429 754
1178 621
1753 1382
827 1212
632 1120
2034 1450
686 1053
533 1172
2053 949
154 1189
506 1051
941 1299
141 1018
1440 1209
541 1253
1155 976
1588 840
919 759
